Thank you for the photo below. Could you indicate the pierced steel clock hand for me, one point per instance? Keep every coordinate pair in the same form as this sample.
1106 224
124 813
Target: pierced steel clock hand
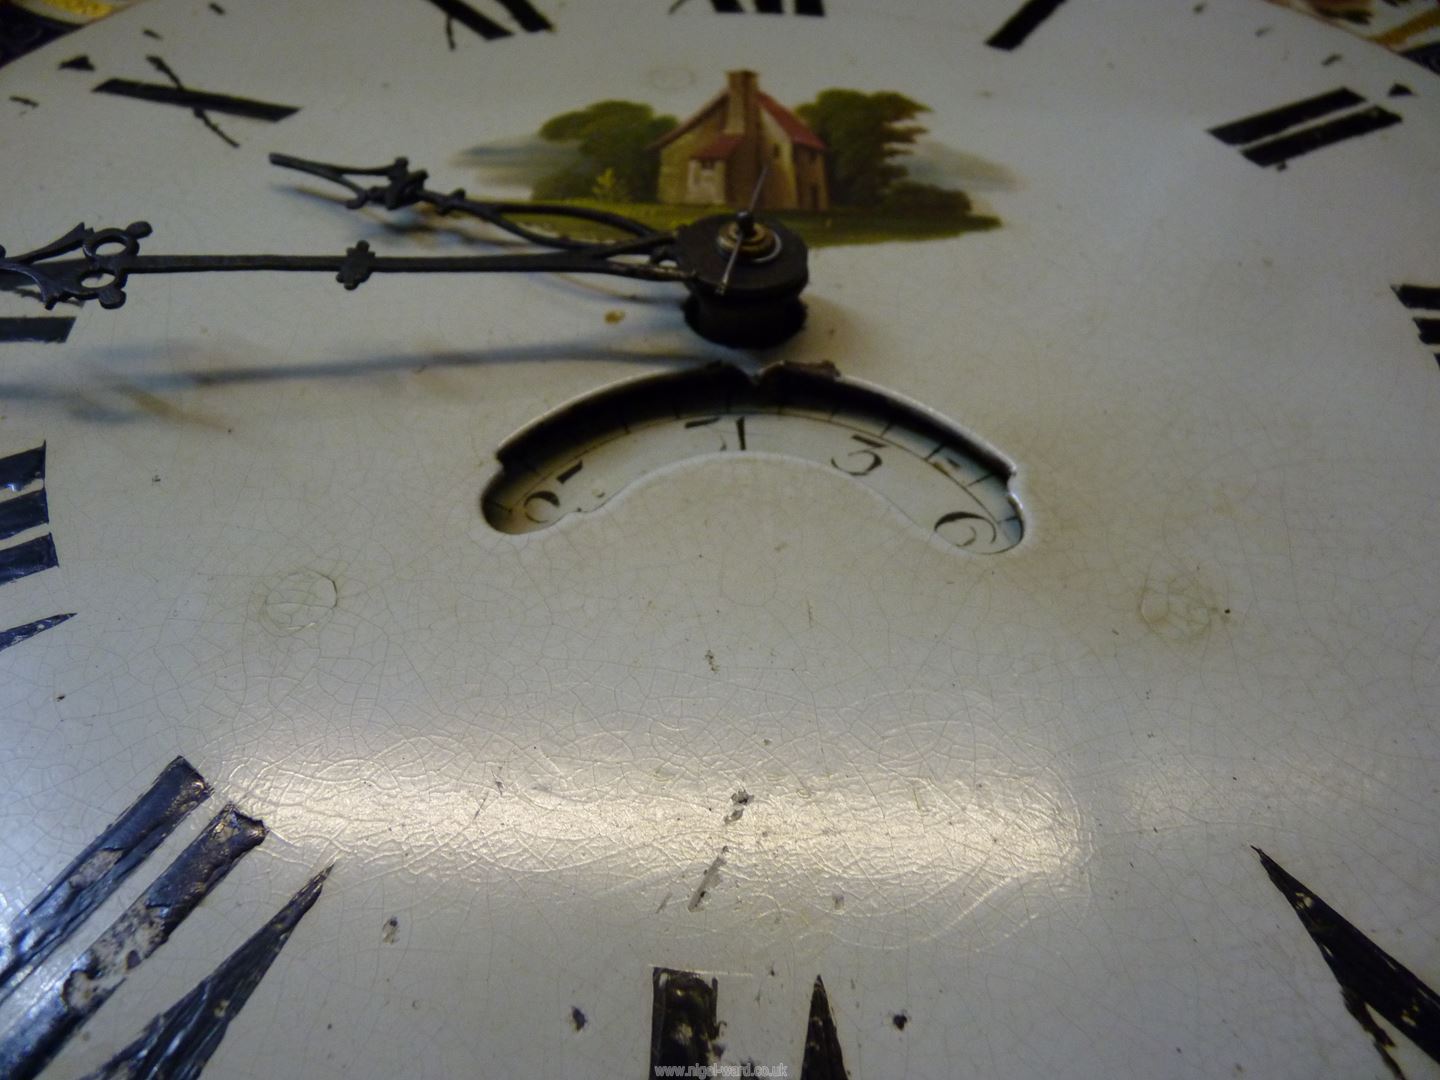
406 187
738 296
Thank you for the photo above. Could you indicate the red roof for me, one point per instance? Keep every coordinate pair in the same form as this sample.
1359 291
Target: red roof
793 126
718 149
716 102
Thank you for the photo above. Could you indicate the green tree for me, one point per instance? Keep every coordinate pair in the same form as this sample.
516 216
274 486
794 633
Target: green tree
610 139
865 134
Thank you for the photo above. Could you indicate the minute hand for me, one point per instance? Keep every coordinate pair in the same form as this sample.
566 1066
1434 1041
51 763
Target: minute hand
760 306
109 256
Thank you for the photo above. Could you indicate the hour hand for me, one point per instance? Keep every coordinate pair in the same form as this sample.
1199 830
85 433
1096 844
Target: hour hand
406 187
98 273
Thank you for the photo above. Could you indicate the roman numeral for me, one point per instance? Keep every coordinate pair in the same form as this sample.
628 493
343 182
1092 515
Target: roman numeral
1276 136
823 1060
17 634
764 7
28 510
28 558
161 94
1423 298
43 329
1427 56
1369 977
179 1041
200 102
1022 24
131 939
685 1024
25 511
18 470
97 872
524 14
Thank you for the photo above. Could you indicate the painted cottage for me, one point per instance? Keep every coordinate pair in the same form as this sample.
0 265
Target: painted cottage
716 156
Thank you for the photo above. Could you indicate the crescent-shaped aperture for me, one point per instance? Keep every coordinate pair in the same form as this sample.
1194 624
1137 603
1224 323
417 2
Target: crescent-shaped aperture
583 455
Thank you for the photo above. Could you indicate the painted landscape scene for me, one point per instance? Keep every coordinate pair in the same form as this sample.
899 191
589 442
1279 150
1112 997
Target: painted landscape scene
848 167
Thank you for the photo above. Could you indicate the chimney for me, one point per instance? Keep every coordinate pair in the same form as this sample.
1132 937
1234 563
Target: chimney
743 102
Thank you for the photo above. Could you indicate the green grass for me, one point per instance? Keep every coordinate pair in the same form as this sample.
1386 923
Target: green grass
832 228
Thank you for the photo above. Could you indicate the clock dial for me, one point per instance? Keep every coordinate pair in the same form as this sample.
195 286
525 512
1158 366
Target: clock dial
559 692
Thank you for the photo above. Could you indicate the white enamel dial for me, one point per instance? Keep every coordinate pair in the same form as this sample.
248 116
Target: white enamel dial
728 718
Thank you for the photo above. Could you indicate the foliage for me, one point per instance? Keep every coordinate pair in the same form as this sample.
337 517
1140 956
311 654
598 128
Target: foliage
607 187
610 139
865 134
907 195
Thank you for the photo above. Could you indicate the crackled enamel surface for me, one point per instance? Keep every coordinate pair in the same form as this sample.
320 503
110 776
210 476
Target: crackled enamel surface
747 721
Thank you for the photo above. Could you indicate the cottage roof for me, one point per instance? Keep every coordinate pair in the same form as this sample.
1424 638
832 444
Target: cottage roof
795 128
798 131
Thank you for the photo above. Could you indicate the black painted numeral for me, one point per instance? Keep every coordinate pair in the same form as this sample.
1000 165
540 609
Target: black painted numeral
685 1024
1425 298
1022 24
42 329
1275 136
197 99
768 7
31 557
97 872
180 1040
863 461
22 512
19 470
741 442
132 938
540 506
823 1059
683 1021
522 11
1427 56
201 103
1369 977
17 634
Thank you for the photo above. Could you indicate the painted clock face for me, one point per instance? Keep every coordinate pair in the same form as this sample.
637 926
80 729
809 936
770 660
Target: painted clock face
910 698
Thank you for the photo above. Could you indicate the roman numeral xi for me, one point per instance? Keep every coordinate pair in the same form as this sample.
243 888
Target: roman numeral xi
1273 137
179 1041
